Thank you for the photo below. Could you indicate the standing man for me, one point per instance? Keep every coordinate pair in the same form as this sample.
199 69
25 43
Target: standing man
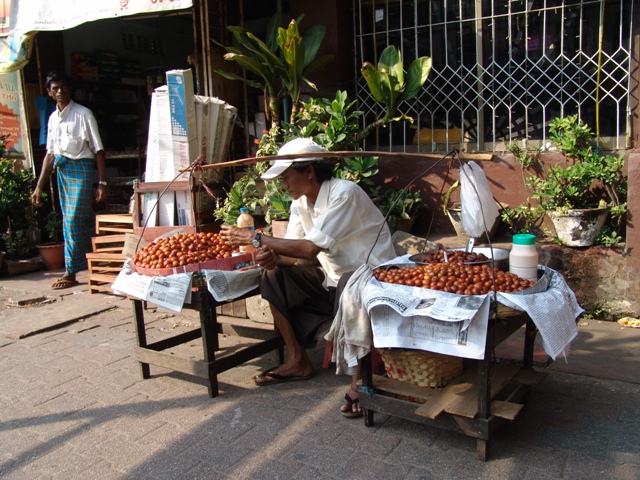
332 220
74 148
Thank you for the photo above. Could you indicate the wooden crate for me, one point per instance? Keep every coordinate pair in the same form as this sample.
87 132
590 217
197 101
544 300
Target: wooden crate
103 270
105 261
109 223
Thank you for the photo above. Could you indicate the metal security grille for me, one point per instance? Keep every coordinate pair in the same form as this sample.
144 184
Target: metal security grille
502 69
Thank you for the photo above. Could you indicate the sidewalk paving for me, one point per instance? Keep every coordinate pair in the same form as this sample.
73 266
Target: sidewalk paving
73 406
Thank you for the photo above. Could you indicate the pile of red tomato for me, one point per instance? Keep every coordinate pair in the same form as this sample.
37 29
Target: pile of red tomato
183 249
454 278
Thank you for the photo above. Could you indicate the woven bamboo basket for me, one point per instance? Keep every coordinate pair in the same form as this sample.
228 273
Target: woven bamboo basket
422 368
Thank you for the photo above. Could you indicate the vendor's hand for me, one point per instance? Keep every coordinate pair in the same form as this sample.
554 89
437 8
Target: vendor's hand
267 258
36 197
101 194
236 236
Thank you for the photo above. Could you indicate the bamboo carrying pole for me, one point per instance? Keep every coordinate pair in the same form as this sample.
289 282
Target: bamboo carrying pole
346 154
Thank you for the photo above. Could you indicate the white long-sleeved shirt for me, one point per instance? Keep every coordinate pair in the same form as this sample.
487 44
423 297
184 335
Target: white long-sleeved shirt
344 223
73 132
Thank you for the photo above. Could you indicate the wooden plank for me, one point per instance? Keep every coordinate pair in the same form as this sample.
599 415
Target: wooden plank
448 394
506 410
197 368
466 404
105 256
409 391
108 243
99 277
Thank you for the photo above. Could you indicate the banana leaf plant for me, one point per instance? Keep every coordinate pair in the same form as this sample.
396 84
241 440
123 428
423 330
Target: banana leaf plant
390 86
282 63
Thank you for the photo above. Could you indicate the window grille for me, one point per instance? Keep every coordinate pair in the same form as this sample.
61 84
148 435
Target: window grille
502 69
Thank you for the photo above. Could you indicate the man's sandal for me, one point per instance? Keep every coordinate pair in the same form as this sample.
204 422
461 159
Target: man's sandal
351 402
63 283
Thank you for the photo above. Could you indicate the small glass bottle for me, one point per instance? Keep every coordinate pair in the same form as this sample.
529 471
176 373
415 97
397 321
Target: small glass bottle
245 220
523 258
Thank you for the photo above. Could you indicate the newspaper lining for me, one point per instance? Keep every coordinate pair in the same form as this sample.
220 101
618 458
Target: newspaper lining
173 291
441 322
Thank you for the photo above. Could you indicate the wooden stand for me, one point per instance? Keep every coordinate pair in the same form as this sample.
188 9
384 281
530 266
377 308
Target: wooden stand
208 368
486 395
203 218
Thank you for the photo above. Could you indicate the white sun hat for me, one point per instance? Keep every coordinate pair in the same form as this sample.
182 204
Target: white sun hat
298 145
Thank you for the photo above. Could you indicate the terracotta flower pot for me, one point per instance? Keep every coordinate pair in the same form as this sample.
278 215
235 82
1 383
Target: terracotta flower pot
52 254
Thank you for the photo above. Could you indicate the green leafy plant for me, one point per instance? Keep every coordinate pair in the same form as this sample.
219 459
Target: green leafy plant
16 243
525 218
16 209
578 184
360 170
243 193
400 204
332 123
277 200
53 226
281 65
390 87
586 180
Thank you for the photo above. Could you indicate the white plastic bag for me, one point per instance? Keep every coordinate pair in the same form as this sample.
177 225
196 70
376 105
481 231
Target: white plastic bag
479 209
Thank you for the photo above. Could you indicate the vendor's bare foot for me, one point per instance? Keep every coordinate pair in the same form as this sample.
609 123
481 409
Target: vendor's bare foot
351 407
284 373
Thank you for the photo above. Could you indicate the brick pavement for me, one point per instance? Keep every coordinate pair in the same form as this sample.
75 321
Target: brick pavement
73 406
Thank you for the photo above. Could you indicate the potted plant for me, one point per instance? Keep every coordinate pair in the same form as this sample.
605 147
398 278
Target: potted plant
579 195
400 207
52 252
280 66
243 193
19 234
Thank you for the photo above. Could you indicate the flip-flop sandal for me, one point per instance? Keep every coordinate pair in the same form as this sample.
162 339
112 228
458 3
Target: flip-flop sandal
63 283
350 413
273 378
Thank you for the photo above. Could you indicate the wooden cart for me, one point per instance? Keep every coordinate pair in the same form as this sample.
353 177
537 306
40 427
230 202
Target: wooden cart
158 353
476 403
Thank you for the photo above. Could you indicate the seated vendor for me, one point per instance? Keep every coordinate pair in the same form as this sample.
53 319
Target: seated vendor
332 220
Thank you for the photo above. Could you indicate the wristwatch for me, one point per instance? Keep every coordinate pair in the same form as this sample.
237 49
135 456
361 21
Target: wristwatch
256 240
103 183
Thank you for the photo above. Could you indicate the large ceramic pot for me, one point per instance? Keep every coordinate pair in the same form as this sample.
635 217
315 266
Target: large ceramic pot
52 254
454 213
579 227
403 225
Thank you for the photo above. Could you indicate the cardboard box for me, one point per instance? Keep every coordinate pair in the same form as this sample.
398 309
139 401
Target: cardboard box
159 166
184 208
181 102
184 135
207 121
132 243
